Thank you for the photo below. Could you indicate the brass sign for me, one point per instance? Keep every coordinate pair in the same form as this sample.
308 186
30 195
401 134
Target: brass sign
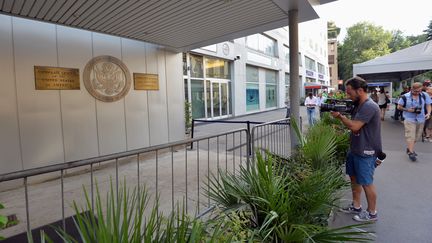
48 78
146 81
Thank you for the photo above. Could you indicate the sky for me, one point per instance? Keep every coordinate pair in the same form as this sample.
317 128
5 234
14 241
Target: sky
411 17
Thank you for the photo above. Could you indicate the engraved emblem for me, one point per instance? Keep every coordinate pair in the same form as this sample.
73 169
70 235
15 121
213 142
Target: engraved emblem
107 78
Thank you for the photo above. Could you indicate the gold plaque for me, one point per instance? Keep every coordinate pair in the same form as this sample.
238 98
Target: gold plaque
48 78
146 81
107 78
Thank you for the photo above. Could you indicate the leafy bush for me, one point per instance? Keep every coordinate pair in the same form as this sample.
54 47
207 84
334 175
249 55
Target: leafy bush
127 218
283 207
3 221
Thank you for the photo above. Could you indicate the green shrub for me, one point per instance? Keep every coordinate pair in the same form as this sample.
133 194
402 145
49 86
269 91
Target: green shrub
3 221
281 207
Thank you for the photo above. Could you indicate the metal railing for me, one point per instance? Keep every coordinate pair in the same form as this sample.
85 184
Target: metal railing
172 171
273 137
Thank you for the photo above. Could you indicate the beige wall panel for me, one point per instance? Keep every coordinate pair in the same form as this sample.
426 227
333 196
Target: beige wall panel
10 159
175 95
110 115
137 127
39 110
78 108
157 98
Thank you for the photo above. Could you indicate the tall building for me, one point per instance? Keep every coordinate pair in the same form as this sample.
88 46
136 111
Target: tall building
251 74
333 33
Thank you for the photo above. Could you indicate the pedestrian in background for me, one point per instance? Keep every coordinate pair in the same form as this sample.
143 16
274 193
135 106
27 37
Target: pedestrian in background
428 123
383 98
374 95
397 112
321 99
365 145
311 103
416 107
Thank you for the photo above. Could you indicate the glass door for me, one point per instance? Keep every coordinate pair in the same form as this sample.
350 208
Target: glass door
217 98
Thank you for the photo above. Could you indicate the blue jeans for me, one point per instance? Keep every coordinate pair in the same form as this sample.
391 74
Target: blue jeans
362 167
311 116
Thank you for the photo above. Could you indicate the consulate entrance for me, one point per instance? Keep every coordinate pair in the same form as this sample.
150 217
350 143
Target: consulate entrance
207 86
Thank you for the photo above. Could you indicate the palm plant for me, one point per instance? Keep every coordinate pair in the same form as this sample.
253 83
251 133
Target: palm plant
283 208
127 218
3 221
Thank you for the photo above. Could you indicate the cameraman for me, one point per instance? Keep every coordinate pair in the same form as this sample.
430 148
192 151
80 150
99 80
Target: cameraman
416 107
365 126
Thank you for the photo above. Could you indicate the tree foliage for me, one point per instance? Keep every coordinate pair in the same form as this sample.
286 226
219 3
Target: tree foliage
428 31
364 41
398 41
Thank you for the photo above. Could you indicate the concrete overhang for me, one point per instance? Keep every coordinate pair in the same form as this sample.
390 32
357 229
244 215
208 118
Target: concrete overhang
179 25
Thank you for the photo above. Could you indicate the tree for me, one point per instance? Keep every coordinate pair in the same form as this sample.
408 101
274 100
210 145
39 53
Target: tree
417 39
364 41
428 31
399 41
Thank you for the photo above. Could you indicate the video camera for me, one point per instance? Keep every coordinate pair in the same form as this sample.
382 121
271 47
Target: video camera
417 110
343 106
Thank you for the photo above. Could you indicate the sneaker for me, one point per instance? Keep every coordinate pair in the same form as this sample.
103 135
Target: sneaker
365 216
408 152
412 156
351 209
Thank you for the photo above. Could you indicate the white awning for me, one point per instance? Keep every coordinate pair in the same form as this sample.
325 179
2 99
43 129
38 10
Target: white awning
398 65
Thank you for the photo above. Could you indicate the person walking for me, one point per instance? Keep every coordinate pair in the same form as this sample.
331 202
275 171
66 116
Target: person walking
311 103
382 102
374 95
397 112
365 145
321 99
416 107
428 123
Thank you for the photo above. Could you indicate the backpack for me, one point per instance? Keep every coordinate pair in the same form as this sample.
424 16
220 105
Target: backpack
422 96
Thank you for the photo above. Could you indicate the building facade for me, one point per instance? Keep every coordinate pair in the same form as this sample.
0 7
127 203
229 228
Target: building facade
44 127
251 74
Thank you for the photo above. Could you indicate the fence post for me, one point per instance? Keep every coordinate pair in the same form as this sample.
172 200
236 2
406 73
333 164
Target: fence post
248 148
192 132
249 143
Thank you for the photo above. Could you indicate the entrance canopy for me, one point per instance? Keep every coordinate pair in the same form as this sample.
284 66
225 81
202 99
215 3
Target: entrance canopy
179 25
397 66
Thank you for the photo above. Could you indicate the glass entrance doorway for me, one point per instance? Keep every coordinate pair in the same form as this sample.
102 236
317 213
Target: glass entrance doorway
217 97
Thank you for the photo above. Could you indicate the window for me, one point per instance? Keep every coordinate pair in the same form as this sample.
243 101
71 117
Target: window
252 89
310 80
310 63
197 98
271 88
330 72
262 43
331 59
217 68
286 53
196 63
287 86
252 74
321 68
184 64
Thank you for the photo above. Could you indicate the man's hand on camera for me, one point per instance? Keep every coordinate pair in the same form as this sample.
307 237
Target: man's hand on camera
335 114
